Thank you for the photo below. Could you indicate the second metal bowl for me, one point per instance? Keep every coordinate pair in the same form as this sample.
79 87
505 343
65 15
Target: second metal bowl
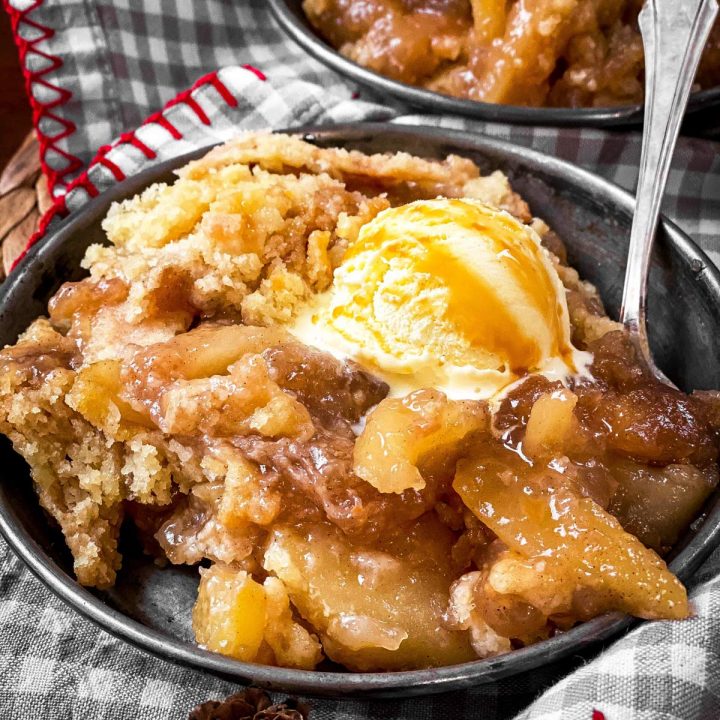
292 19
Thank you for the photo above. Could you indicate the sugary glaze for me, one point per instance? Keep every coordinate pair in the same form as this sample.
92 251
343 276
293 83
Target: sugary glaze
561 53
166 393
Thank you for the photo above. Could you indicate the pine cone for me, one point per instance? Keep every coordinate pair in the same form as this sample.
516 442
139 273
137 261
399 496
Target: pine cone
250 704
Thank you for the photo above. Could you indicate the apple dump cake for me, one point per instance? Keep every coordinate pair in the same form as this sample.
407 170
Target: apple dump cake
562 53
369 398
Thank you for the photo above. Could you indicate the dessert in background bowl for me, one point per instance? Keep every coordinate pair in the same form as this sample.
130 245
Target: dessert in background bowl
554 53
369 396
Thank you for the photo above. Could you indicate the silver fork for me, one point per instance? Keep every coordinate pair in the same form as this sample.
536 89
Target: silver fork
674 33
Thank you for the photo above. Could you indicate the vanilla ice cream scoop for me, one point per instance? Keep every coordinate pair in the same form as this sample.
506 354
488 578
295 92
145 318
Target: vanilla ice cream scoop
451 294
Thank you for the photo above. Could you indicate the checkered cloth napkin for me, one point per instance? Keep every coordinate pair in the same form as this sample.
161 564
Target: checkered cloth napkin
105 69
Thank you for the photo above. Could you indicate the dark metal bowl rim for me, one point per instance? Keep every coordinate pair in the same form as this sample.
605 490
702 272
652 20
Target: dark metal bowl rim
619 115
320 683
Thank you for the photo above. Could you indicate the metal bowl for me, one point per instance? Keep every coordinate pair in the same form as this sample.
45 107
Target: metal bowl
150 607
292 19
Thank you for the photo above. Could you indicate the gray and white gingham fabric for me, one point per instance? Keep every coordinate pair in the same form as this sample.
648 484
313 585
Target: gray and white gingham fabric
99 68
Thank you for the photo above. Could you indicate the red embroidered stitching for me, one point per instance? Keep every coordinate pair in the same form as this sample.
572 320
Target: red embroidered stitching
184 97
225 94
43 110
118 174
195 107
132 139
259 74
59 208
165 123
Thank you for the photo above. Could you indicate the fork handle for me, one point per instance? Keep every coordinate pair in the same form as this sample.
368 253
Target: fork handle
674 34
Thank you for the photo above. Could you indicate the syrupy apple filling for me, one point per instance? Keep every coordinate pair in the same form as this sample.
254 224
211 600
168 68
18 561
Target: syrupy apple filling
276 371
